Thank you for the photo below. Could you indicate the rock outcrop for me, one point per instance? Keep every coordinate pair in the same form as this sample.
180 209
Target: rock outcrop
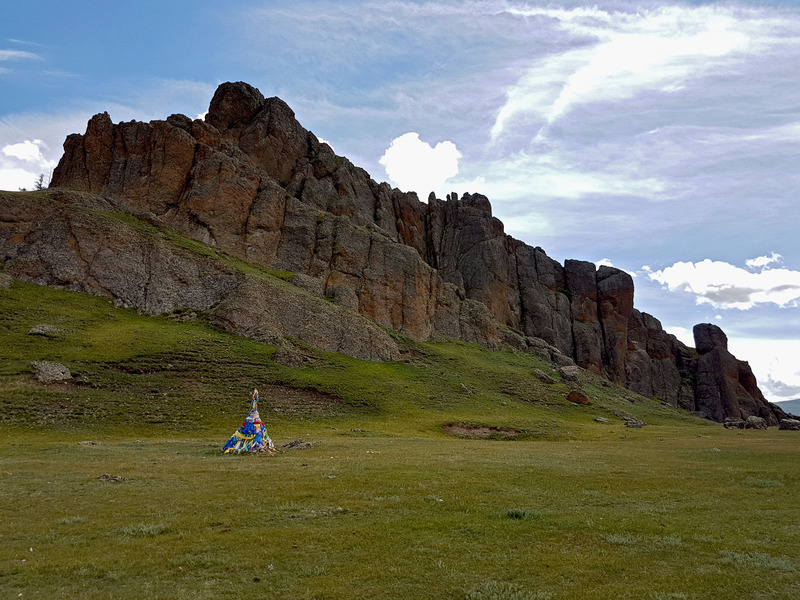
50 372
726 387
59 242
249 180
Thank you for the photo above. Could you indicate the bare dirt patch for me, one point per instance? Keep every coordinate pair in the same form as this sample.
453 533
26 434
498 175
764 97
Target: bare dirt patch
480 431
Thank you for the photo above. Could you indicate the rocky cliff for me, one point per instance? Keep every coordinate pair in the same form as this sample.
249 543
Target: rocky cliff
75 241
249 180
725 386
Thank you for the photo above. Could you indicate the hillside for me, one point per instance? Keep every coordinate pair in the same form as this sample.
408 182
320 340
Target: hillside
250 182
452 472
180 371
790 406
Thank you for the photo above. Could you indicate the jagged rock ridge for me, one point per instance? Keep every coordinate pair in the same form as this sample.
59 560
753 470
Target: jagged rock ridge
251 181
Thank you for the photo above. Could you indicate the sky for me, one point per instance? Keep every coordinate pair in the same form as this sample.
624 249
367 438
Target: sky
661 138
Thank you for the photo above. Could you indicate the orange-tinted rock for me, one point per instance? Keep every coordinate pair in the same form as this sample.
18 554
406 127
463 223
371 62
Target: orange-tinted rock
252 182
577 397
50 243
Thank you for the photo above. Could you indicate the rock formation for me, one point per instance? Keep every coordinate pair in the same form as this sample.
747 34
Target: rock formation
250 181
726 387
73 241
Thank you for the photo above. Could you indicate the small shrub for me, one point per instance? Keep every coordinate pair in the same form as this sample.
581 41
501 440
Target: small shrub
669 541
621 540
144 530
757 560
71 520
764 483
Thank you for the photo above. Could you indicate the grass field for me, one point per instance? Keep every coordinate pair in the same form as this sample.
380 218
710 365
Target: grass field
113 485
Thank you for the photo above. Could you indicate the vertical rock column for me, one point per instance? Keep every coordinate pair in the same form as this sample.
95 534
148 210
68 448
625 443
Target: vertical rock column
587 335
725 385
615 305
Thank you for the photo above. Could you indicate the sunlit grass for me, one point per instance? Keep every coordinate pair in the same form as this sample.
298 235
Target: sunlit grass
375 517
385 503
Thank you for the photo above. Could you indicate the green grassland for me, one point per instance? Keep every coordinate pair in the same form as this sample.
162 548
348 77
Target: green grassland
386 503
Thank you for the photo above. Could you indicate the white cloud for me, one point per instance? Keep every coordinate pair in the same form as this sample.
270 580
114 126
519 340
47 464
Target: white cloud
763 261
15 178
774 362
18 55
683 334
628 54
548 174
21 163
413 165
724 285
606 262
23 42
324 141
527 225
28 150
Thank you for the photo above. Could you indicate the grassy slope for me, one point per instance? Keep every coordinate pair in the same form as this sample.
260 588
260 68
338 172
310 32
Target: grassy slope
385 505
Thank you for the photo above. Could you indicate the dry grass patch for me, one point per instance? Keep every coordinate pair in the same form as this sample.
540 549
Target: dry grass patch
480 431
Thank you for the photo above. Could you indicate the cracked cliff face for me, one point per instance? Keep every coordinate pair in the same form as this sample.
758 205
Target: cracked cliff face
72 241
251 181
726 386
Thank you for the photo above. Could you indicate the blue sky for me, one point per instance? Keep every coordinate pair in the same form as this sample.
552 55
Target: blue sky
660 137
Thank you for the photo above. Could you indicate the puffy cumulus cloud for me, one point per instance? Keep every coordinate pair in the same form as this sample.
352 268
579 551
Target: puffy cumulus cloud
414 165
763 261
724 285
22 162
26 151
30 145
